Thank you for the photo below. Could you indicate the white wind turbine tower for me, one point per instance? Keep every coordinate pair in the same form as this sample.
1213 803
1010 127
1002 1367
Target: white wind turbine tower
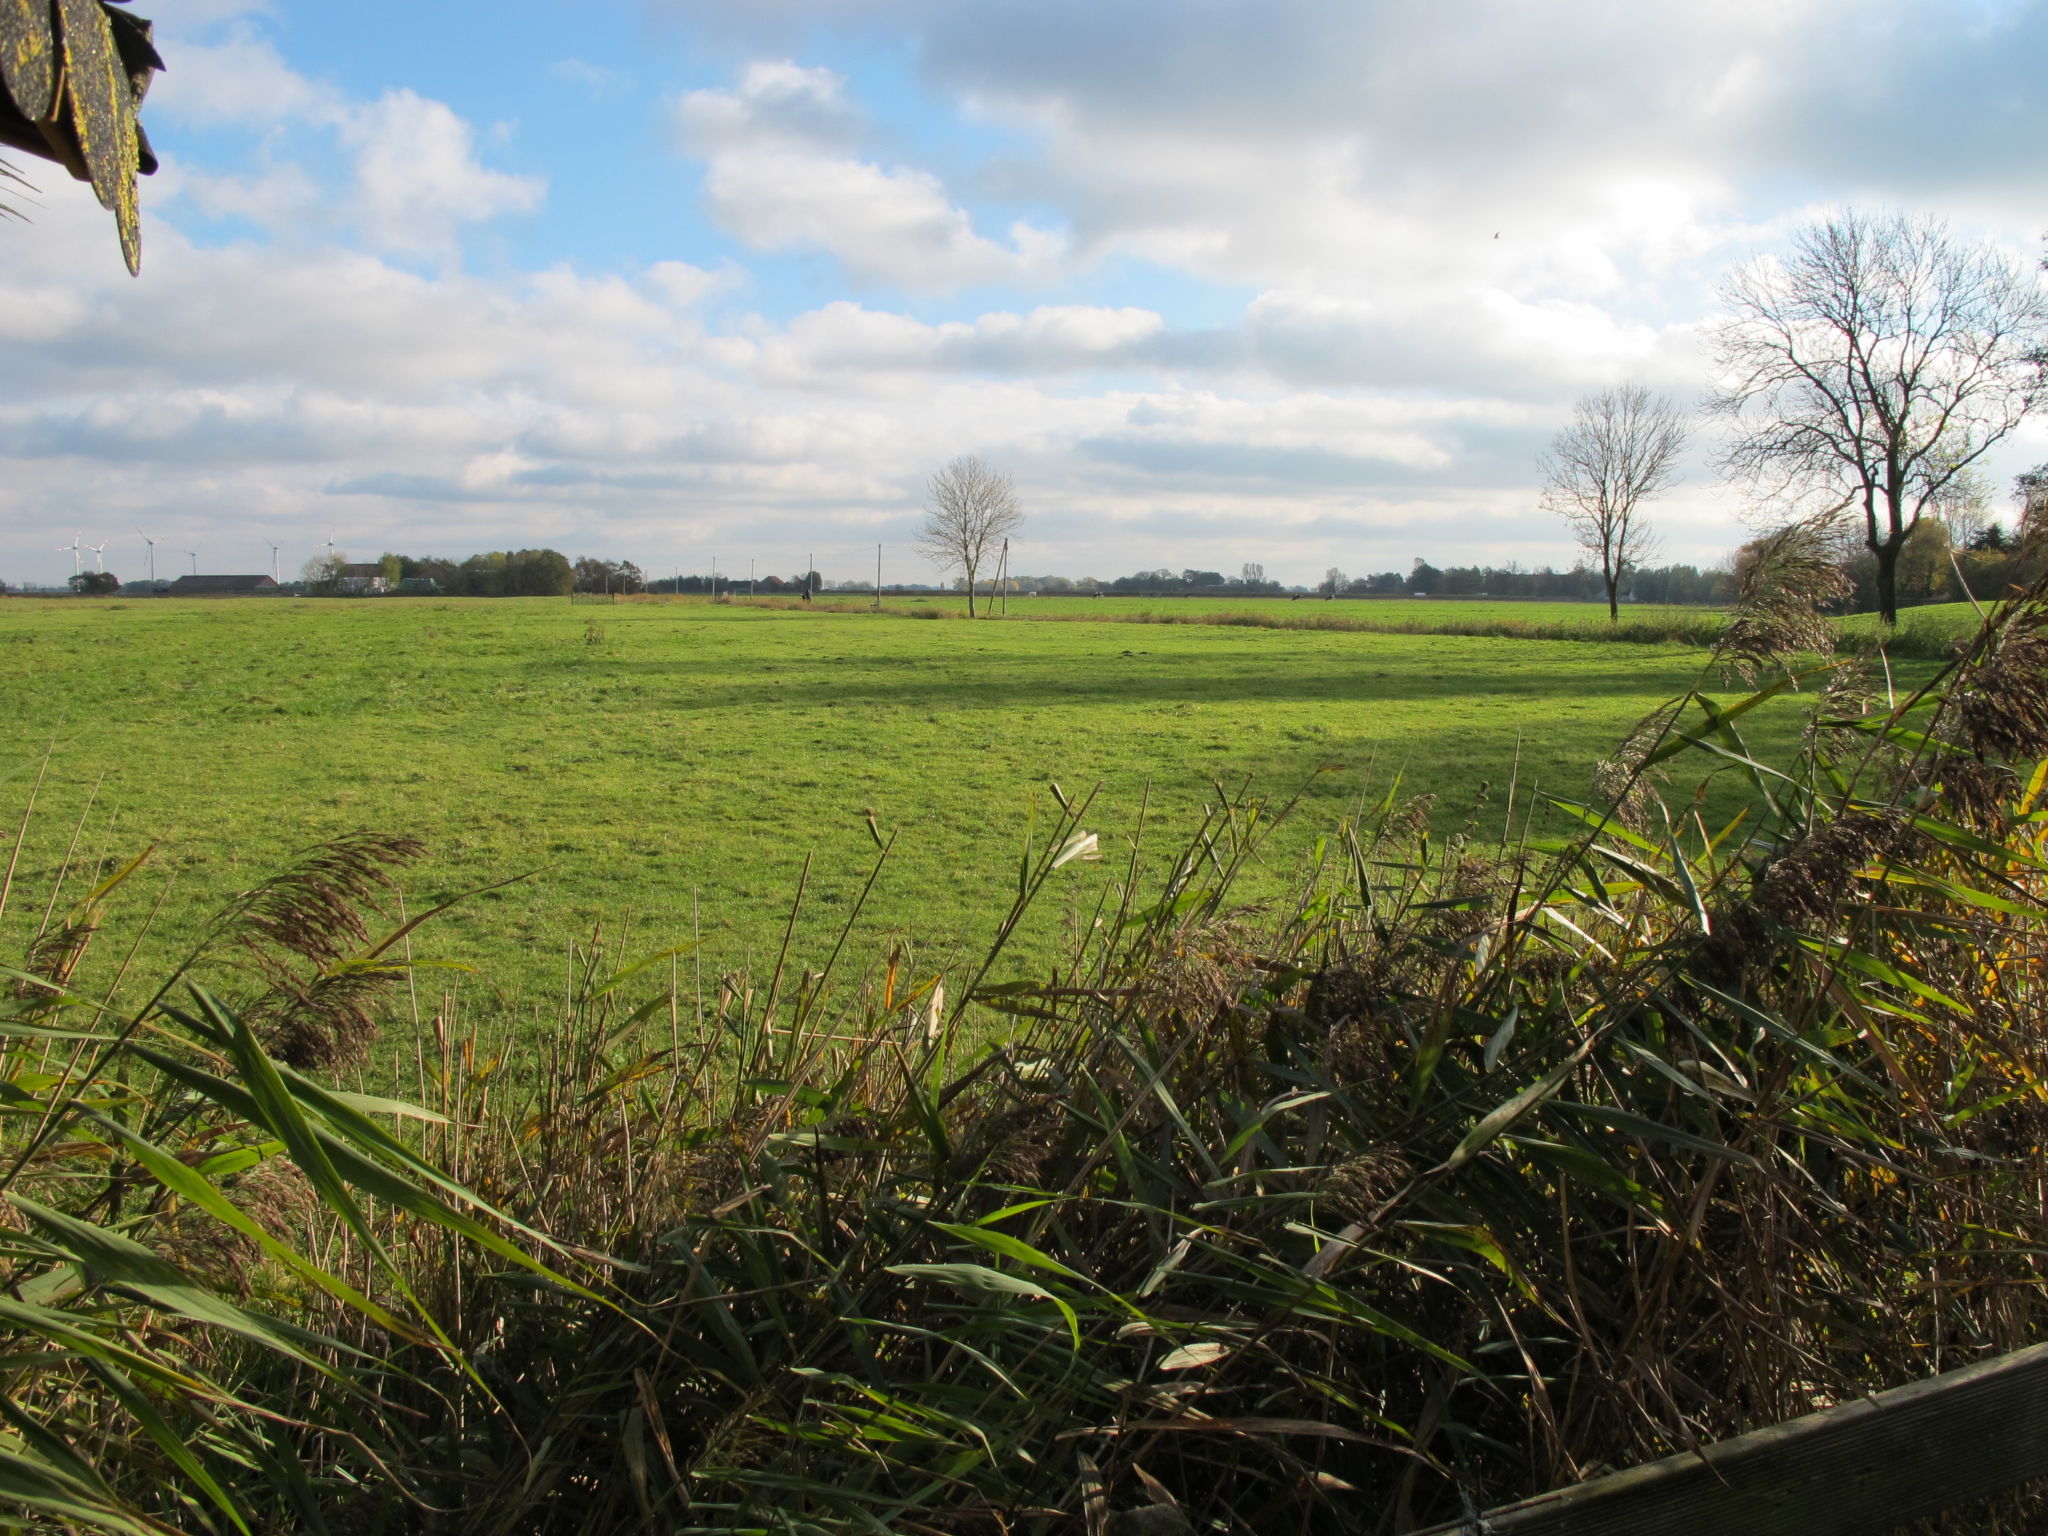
98 558
195 559
152 551
273 562
77 557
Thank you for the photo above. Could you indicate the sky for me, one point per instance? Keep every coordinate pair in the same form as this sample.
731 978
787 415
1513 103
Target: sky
1307 283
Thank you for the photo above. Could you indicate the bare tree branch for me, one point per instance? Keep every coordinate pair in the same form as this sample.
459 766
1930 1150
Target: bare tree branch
1620 451
970 509
1874 367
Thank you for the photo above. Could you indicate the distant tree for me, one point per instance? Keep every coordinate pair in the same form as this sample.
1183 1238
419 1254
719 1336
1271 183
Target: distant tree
1964 505
1194 578
322 571
481 575
970 508
1871 367
538 573
1924 574
608 576
1252 574
2030 489
1992 537
95 583
1333 582
1424 577
1620 450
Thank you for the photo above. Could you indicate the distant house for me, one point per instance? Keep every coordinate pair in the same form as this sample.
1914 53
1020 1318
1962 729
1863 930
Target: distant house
219 586
365 579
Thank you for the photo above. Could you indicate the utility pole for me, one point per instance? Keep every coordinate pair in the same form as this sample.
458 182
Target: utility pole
750 576
1003 581
810 573
878 578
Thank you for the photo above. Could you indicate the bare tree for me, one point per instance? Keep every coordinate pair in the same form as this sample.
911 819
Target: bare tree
1253 574
1965 505
970 508
1620 451
1872 367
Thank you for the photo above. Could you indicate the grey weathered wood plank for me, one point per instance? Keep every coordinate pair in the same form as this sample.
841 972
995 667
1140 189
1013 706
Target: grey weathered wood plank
1851 1470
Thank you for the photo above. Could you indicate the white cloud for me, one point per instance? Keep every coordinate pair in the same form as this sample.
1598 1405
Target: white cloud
415 182
780 174
1259 310
594 78
776 102
418 180
244 81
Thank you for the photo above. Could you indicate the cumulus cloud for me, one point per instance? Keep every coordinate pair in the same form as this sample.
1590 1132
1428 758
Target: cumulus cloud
415 180
1352 146
418 179
782 175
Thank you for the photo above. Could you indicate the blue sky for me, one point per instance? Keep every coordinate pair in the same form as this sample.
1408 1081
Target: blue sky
1306 282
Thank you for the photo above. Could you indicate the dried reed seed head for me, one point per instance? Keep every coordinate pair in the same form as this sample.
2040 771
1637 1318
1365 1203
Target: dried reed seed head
706 1177
1357 1187
1481 885
1620 781
1816 876
1359 1051
1850 690
276 1195
1738 933
1340 994
1980 794
206 1249
314 909
1784 580
2001 699
1201 973
1411 820
55 956
322 1024
1013 1144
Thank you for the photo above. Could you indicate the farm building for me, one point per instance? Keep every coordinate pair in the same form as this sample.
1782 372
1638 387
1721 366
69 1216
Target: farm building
219 586
362 579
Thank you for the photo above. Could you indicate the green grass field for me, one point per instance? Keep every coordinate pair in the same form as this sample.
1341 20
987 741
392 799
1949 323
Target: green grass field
638 758
1422 615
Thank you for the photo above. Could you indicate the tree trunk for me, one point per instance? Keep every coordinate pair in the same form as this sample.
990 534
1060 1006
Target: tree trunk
1613 600
970 592
1888 582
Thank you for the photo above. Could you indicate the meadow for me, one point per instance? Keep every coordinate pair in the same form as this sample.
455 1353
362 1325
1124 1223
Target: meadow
667 768
1458 1172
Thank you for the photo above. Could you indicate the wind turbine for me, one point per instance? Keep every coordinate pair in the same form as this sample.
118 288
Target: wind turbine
98 560
152 551
77 559
195 559
273 561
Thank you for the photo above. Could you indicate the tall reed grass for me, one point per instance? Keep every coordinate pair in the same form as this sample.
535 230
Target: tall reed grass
1477 1166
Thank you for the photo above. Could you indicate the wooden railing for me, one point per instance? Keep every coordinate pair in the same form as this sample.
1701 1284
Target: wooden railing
1857 1469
